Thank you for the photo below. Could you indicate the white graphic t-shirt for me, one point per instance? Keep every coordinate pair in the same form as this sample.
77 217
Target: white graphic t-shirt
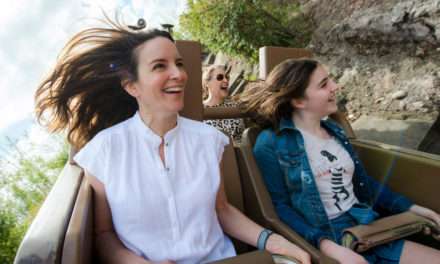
333 170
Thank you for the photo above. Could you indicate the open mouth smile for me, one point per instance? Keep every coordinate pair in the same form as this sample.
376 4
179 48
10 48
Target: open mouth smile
173 90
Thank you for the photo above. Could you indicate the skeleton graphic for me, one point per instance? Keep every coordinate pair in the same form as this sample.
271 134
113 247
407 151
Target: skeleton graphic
337 182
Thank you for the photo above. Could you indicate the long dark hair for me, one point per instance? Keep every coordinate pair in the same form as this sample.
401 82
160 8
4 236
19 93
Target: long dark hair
270 101
84 93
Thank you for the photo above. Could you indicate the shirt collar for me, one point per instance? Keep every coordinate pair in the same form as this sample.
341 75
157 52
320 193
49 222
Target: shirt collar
145 131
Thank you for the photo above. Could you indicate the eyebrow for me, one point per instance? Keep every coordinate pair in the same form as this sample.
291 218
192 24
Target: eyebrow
164 60
323 80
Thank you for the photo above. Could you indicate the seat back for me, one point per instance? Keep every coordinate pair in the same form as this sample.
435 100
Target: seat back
269 57
233 187
413 173
43 242
191 53
78 242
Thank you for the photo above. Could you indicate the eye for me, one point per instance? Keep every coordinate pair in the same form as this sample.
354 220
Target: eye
180 64
158 66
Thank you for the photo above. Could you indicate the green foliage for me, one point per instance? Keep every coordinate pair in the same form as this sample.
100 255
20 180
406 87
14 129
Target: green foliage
10 234
240 27
24 185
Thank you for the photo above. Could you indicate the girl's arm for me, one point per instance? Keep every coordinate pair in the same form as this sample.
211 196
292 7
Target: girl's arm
110 248
340 253
237 225
269 166
428 213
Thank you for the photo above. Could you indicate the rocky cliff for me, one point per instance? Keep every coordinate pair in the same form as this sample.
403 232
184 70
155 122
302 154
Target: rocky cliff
386 54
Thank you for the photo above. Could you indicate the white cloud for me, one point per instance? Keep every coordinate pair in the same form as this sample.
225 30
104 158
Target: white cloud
34 32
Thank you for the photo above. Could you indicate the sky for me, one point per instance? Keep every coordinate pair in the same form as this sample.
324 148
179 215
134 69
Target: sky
34 31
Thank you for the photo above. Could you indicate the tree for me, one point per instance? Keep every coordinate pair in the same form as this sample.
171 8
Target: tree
24 184
240 27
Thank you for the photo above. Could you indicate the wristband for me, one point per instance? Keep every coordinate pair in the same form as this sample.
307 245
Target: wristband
262 239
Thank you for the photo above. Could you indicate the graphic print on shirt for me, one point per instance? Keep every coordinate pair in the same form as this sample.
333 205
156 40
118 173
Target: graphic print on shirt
337 182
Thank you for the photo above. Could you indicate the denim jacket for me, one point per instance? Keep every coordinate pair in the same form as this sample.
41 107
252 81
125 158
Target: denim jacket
285 168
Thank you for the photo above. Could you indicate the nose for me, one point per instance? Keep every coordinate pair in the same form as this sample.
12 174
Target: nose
178 73
333 85
226 79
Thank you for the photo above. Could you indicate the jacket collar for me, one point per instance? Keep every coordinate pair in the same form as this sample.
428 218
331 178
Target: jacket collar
287 123
328 124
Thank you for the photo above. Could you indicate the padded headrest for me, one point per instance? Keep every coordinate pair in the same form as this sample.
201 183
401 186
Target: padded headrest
269 57
191 53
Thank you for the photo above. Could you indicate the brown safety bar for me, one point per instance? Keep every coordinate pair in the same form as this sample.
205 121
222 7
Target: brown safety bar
223 112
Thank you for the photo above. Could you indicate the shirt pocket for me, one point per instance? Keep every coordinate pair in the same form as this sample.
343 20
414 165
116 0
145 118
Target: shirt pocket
291 165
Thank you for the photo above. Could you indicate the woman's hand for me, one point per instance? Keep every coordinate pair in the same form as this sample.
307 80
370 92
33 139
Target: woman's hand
277 244
342 254
428 213
165 262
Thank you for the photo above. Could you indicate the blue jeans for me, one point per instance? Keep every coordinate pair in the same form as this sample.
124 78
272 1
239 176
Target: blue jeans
384 254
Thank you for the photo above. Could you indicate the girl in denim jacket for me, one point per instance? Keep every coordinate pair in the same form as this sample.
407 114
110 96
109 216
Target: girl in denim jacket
316 181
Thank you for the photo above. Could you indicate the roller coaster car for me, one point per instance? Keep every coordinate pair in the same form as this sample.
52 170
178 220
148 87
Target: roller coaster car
62 231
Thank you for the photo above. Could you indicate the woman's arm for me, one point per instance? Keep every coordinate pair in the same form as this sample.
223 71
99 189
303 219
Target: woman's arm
110 248
237 225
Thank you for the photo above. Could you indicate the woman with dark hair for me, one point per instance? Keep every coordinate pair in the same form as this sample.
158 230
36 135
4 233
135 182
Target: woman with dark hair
317 183
215 84
158 191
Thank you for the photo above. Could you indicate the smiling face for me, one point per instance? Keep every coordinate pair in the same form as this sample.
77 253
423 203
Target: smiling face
218 83
161 78
320 95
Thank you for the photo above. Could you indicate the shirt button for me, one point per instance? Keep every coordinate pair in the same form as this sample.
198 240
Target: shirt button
361 184
345 142
357 162
166 144
167 168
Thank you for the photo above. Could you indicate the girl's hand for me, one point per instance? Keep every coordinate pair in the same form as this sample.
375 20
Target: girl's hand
277 244
342 254
428 213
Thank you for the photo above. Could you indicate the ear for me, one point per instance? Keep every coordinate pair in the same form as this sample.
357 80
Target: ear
130 87
298 103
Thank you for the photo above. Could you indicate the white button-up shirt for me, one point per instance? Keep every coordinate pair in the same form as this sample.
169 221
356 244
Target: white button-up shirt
162 211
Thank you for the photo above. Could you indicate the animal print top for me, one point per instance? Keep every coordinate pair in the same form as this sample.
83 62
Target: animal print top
233 127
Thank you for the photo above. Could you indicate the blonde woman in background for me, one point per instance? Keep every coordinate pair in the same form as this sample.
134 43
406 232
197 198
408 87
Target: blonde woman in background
215 94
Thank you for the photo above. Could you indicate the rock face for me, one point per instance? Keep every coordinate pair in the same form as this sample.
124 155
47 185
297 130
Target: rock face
386 54
411 26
